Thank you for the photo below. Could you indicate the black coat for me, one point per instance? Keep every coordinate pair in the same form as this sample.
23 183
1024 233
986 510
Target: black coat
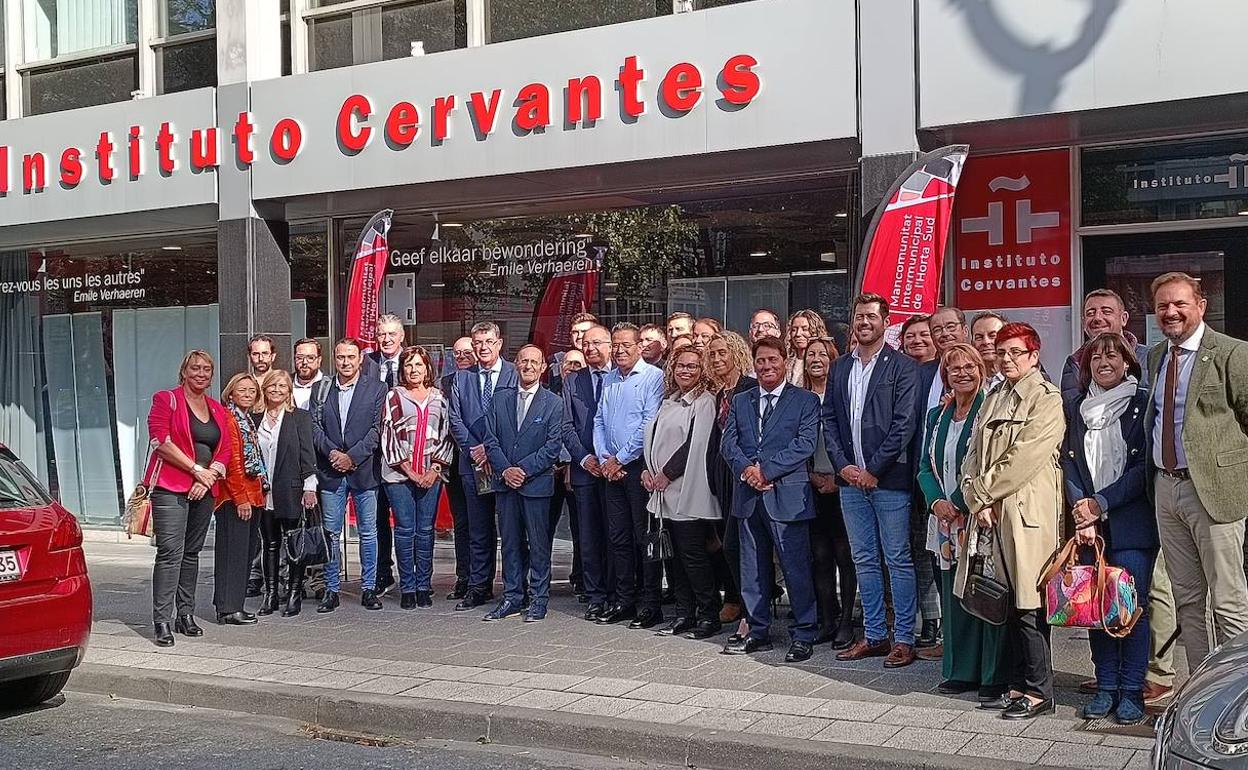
720 474
293 462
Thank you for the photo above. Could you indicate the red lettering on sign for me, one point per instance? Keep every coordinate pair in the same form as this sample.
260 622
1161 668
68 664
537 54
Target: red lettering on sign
34 172
164 148
353 133
286 140
4 170
533 108
442 107
630 79
104 154
243 130
71 167
584 100
682 87
740 84
136 157
483 114
204 148
402 124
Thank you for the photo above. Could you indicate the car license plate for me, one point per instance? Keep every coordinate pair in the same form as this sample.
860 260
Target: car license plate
10 567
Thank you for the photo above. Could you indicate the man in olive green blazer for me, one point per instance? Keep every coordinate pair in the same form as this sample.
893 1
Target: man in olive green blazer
1199 426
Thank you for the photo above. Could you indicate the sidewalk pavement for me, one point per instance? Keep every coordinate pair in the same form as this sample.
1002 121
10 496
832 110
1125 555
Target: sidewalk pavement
565 683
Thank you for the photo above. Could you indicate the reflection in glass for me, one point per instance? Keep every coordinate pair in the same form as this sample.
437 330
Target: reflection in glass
437 26
182 16
330 42
59 27
81 84
189 65
515 19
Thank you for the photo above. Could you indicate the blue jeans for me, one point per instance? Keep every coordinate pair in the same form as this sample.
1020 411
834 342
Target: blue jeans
880 520
334 509
1122 663
414 511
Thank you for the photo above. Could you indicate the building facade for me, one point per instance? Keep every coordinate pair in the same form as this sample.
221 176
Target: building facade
187 173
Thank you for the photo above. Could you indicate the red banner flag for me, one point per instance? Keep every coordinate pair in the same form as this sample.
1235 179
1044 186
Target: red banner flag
368 269
564 296
905 244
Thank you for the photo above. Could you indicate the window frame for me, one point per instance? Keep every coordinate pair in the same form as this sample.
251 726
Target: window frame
165 41
358 13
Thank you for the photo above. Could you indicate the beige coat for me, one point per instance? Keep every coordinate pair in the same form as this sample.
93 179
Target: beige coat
1012 466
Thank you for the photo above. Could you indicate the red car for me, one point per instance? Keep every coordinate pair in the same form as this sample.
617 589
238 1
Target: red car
45 596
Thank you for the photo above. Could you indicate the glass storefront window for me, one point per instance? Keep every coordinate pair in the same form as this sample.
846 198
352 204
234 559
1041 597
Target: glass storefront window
309 281
59 27
329 42
434 26
516 19
81 84
182 16
388 31
188 65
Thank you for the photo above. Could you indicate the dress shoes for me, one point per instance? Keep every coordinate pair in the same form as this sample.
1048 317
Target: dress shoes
999 703
369 600
235 619
955 687
424 598
384 584
677 626
935 652
163 635
646 619
735 637
536 613
705 629
864 648
471 600
1026 708
1088 686
799 652
407 600
990 692
844 635
185 625
1156 693
505 609
929 635
594 611
329 602
747 646
731 612
615 614
459 592
900 656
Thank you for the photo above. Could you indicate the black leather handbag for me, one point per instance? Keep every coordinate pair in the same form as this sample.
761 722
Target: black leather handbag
986 595
308 545
657 544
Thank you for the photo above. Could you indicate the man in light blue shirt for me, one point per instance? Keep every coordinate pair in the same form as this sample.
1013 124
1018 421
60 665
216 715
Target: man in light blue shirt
631 394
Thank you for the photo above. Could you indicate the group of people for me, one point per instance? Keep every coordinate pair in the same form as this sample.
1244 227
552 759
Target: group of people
736 468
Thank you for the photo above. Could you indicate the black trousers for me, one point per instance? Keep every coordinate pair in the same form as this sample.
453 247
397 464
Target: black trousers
180 526
564 495
231 558
627 523
836 582
691 571
273 531
597 572
385 537
459 517
1029 645
730 578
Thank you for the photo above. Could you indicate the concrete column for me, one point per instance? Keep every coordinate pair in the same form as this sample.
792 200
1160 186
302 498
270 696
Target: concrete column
887 119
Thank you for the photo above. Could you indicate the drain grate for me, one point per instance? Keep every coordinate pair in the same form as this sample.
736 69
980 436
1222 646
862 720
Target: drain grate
316 732
1108 726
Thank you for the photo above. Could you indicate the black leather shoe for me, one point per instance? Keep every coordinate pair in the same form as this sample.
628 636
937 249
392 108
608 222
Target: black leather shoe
162 635
185 625
329 603
1026 708
646 619
677 626
747 646
844 635
955 687
799 652
253 588
269 604
505 609
705 629
424 598
990 693
1000 703
459 592
384 584
930 636
407 601
369 600
735 638
471 600
594 611
235 619
294 604
616 614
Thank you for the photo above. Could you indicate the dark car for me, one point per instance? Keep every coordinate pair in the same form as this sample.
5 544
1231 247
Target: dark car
1207 725
45 596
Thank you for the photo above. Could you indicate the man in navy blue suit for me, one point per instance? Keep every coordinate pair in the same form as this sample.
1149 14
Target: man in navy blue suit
346 428
768 440
868 426
581 394
522 441
472 398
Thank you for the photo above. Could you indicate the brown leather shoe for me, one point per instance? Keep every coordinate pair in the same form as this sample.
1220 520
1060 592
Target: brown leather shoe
1155 693
730 612
931 653
1088 686
901 655
864 649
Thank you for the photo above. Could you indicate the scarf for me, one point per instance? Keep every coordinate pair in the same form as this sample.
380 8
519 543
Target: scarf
1104 444
253 461
409 434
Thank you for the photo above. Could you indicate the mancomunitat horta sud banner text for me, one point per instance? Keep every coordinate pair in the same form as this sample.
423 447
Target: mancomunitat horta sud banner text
368 270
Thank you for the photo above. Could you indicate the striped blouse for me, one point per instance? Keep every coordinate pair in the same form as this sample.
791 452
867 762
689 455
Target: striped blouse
401 417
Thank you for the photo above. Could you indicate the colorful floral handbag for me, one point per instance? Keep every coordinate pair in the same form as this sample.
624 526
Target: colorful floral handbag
1089 595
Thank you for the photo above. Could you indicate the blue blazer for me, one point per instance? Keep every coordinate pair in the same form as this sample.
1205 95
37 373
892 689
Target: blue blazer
782 450
467 417
889 421
1131 520
533 448
579 408
360 440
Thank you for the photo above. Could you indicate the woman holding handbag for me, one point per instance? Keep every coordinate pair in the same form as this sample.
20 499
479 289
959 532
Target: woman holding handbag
284 435
246 482
416 449
1011 492
676 450
974 655
1105 461
190 452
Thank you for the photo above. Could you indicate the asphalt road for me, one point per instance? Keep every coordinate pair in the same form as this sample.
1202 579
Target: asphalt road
102 733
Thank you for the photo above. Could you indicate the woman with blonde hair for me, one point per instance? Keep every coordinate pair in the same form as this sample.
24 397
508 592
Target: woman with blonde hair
804 326
237 510
190 451
284 435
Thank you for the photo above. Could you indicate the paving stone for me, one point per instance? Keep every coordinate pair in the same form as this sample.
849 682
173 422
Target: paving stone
785 704
661 713
1006 747
251 670
452 673
788 726
926 739
664 693
913 716
720 719
438 690
318 659
1056 729
1090 757
489 694
1143 760
544 681
520 663
989 722
604 685
582 668
106 656
388 685
1127 742
499 677
548 700
863 733
206 666
341 680
599 705
262 655
294 675
723 699
853 711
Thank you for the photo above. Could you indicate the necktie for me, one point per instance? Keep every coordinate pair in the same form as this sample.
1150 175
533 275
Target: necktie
522 408
390 365
1169 457
487 392
770 398
598 385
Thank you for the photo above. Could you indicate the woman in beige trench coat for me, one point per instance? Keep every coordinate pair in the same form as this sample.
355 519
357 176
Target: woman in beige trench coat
1011 482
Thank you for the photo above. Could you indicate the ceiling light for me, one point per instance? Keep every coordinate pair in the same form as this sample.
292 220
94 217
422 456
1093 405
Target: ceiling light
170 248
452 224
841 215
437 286
759 253
1243 212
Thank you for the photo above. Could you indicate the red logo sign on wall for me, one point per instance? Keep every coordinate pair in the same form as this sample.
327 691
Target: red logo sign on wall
1012 243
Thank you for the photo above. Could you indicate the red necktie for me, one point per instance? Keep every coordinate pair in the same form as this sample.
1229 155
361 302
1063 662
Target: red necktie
1169 457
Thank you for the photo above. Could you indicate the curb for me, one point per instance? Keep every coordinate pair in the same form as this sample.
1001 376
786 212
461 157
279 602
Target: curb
418 718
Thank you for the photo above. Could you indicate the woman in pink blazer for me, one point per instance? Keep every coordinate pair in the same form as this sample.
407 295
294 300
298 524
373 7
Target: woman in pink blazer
191 448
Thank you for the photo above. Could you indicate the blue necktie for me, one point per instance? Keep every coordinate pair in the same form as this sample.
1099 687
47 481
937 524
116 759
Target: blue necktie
767 407
487 392
598 386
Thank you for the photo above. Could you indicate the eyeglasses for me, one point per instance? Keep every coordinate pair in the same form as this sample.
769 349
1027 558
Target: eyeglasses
306 357
623 345
950 327
764 325
963 369
484 343
463 353
1014 353
687 367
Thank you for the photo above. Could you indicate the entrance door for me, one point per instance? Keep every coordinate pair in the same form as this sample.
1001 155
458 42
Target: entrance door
1129 263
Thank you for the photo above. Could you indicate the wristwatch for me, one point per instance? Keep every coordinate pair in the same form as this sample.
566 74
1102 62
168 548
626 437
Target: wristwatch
197 468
